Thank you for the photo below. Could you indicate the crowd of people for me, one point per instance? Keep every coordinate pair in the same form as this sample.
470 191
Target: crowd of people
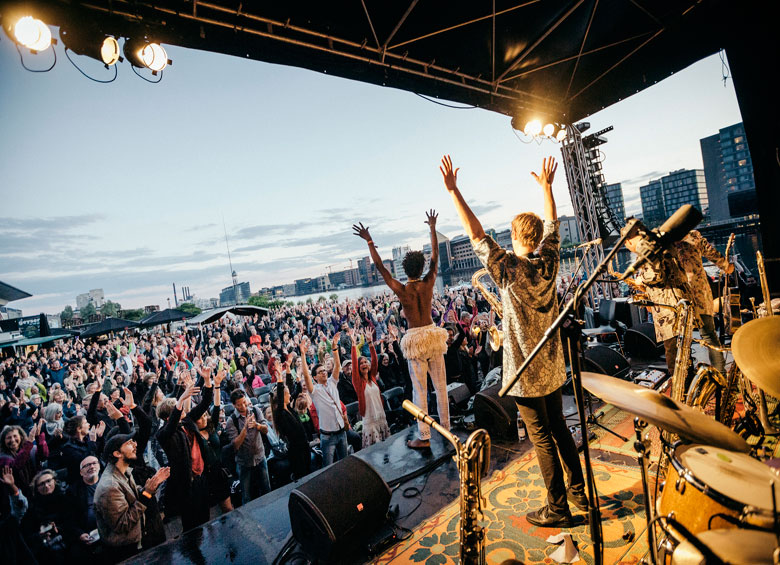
107 444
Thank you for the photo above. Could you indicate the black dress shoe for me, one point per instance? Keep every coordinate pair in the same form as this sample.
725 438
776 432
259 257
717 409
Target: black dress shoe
546 518
578 498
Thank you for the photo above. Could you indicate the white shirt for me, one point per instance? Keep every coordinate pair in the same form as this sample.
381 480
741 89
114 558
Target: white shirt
326 401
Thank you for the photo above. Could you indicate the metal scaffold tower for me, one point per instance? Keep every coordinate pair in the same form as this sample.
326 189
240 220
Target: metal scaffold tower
587 189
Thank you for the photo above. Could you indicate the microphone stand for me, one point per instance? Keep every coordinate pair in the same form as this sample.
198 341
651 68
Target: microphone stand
568 320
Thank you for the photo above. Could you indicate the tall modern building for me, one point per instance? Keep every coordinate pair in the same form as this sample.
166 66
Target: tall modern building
662 197
230 296
653 211
94 296
569 233
728 169
615 200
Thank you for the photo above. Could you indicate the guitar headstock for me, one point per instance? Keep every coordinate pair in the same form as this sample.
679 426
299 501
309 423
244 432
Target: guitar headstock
728 246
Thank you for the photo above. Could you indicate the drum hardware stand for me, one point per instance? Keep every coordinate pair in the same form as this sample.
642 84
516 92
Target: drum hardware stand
567 318
642 448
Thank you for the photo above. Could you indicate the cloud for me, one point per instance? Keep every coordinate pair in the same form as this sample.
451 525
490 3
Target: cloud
642 179
480 209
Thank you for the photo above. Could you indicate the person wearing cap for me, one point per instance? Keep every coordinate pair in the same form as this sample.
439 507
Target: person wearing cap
119 503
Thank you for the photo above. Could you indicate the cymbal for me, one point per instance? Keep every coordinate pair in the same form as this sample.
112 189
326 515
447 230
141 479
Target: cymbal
755 346
740 547
664 412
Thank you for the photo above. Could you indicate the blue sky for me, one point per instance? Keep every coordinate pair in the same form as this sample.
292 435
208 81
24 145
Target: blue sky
124 186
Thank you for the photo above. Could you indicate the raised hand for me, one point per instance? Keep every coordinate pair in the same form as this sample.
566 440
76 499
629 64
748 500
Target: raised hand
128 400
370 334
92 434
220 376
431 216
113 411
546 176
101 428
7 477
157 479
361 231
450 176
336 337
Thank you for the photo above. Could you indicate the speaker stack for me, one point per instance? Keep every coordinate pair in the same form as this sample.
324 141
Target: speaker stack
605 360
496 414
640 343
339 508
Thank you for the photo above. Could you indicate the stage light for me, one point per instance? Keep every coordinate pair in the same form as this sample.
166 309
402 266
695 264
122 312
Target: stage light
109 51
534 127
32 33
548 130
92 43
143 54
561 135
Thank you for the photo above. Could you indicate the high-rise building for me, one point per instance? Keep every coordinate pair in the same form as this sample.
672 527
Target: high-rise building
94 296
569 233
653 211
662 197
237 294
729 172
614 193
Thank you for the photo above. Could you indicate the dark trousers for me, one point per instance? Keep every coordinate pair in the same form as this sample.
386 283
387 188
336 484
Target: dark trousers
195 508
543 417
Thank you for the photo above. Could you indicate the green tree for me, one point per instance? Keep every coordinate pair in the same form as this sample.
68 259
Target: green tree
334 296
88 311
67 313
133 315
189 308
110 308
260 301
309 300
322 298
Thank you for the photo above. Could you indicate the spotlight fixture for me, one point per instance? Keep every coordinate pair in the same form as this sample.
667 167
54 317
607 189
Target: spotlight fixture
33 34
92 43
532 128
142 54
548 130
561 135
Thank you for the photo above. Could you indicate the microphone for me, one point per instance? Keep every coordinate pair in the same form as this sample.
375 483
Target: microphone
654 242
596 241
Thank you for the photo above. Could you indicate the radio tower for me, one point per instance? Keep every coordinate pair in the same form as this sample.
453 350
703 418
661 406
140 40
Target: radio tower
233 274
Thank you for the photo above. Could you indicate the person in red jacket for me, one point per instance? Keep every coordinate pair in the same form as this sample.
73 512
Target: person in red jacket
372 411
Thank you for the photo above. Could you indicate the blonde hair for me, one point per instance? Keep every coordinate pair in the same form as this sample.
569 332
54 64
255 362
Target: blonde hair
527 229
165 408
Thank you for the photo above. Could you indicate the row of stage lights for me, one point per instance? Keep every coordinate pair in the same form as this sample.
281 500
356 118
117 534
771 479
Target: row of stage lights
36 36
535 130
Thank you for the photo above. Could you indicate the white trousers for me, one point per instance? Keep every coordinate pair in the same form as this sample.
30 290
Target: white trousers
418 369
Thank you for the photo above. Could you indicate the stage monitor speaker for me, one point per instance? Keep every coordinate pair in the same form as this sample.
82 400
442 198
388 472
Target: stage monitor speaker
458 393
339 508
495 414
605 360
640 343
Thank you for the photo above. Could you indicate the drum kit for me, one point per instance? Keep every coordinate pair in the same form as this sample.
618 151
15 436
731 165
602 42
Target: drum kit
719 504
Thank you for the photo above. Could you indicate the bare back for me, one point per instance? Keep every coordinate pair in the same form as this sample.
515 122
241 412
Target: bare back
416 298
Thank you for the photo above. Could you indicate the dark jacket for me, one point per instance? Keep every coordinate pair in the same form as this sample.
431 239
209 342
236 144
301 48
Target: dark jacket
176 443
73 453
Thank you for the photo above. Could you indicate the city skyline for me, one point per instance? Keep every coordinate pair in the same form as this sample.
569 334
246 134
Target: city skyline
290 158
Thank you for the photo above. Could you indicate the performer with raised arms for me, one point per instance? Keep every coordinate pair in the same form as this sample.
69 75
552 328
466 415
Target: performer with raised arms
424 344
526 280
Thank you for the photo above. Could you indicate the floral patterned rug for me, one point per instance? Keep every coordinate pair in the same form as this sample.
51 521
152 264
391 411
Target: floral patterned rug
513 491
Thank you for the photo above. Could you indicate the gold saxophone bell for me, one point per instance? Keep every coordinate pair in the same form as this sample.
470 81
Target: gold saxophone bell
495 336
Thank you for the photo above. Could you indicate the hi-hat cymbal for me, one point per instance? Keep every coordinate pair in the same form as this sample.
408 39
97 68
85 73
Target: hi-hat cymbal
756 348
739 547
664 412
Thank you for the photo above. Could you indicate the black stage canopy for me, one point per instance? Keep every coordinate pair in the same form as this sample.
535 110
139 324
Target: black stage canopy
563 60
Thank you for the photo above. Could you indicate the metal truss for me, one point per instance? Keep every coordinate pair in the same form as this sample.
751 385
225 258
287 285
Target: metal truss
578 175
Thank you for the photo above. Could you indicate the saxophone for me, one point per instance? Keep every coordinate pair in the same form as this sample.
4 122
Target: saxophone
473 459
495 337
683 327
